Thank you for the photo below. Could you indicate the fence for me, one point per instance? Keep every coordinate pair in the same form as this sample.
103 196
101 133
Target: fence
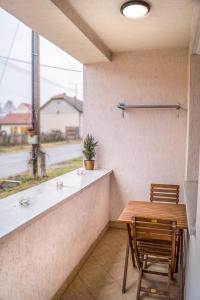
22 139
13 139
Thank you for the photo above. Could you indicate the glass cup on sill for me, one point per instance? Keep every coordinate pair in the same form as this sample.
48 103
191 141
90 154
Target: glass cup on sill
24 202
80 171
59 184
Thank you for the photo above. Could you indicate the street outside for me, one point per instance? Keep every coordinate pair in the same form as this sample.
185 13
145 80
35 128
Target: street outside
16 163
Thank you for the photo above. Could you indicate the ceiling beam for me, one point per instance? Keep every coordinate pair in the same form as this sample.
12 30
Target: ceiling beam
76 19
56 21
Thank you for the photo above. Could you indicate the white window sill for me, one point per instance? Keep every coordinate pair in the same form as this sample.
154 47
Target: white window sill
43 197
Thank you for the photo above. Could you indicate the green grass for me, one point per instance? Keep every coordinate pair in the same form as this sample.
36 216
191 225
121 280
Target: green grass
27 181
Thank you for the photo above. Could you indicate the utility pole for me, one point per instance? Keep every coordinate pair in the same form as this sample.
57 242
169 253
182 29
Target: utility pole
35 101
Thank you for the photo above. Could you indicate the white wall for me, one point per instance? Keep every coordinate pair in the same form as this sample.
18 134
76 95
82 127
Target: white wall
192 288
35 260
57 115
147 145
22 109
9 128
192 281
58 121
193 129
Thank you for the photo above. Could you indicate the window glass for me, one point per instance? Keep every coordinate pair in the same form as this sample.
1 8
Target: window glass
60 73
15 59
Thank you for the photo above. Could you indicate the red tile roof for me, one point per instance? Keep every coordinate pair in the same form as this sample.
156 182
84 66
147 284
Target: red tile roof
16 119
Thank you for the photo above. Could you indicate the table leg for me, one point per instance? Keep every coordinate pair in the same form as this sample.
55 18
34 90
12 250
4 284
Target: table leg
125 268
131 244
128 246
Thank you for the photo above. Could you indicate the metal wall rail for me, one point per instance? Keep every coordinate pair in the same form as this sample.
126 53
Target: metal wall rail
123 106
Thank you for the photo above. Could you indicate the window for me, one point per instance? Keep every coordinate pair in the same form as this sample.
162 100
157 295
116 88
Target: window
60 74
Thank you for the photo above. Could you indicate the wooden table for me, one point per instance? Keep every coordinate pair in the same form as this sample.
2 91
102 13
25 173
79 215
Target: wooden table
175 212
171 212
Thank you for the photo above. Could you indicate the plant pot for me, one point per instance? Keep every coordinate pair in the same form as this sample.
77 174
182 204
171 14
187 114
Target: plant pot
89 164
31 132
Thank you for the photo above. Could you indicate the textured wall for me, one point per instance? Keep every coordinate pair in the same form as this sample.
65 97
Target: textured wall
192 282
35 261
193 134
192 173
147 145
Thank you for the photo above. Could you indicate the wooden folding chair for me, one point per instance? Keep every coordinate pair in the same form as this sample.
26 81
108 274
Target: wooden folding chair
165 193
154 240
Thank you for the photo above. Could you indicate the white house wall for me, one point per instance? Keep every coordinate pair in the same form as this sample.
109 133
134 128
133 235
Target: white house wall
22 109
58 115
8 128
58 122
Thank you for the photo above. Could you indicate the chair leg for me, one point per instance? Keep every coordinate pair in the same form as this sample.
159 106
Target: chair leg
145 261
125 268
178 254
139 285
170 275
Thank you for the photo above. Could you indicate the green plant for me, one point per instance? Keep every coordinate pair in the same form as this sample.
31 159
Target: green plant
89 145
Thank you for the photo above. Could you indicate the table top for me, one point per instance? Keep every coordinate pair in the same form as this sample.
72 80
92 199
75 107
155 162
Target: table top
155 210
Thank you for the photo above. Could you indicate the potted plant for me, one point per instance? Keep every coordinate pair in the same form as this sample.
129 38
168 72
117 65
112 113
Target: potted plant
31 132
89 145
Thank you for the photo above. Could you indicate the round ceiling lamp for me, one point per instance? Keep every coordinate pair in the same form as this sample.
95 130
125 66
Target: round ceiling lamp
135 9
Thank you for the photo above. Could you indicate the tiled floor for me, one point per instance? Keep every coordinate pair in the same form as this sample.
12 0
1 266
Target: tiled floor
101 276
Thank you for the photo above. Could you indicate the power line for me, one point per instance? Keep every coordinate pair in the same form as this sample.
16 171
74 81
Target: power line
9 52
22 70
41 65
60 68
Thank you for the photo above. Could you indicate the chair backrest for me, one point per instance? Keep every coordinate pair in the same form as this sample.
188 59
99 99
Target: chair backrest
147 233
168 193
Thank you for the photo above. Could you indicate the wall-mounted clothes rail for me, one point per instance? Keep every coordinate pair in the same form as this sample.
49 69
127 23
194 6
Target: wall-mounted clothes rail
123 106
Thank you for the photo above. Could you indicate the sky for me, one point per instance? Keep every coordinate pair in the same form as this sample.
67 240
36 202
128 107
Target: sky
15 77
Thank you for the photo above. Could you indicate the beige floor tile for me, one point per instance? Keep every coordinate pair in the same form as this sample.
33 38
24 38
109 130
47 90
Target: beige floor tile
117 270
110 291
112 256
77 291
94 276
132 278
106 261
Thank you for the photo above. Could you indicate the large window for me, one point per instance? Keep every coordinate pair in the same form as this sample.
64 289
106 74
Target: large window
61 79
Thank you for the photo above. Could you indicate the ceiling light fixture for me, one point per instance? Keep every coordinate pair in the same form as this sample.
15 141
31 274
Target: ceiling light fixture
135 9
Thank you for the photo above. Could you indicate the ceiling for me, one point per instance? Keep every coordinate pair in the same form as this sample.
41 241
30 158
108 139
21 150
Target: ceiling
49 21
166 26
91 30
